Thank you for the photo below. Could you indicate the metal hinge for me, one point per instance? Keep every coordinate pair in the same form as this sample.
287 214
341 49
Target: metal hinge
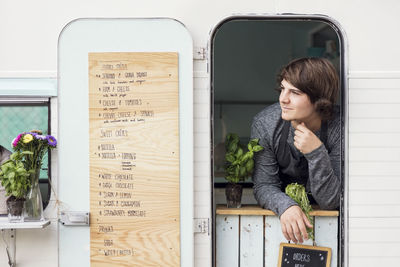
202 225
74 218
199 53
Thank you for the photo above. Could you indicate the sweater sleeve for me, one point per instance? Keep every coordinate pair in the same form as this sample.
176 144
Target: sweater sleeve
324 173
267 184
4 154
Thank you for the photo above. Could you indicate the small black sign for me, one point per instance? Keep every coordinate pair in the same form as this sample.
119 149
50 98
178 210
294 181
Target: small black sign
291 255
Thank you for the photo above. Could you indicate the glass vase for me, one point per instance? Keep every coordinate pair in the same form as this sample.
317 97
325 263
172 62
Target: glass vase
15 209
233 194
33 204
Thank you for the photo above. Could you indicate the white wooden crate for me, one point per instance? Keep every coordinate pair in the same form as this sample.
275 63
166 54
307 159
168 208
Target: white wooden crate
253 240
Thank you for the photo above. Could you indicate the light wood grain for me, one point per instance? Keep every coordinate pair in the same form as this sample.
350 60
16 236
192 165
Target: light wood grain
146 111
256 210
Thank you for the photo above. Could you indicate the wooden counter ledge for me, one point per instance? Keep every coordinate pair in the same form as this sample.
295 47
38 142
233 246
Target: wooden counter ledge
256 210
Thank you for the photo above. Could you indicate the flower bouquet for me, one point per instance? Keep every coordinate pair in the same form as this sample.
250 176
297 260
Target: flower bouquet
34 146
36 143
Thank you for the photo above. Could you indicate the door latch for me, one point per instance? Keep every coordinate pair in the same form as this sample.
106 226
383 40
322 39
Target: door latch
74 218
202 225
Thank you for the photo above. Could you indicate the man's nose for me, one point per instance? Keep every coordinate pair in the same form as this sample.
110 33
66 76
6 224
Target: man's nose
284 96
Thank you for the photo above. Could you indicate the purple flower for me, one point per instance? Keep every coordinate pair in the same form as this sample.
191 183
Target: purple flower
40 137
16 140
51 140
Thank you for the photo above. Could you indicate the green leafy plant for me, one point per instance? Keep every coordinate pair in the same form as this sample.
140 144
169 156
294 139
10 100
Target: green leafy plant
298 193
239 161
14 177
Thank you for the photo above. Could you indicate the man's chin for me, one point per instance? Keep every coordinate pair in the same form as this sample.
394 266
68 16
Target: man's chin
286 118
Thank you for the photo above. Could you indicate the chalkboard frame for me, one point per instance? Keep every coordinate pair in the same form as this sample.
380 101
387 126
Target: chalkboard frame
305 247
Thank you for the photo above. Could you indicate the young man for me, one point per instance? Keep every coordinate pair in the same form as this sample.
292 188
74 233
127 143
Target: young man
301 140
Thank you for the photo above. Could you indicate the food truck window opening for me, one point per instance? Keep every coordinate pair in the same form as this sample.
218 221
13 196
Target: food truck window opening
246 54
20 115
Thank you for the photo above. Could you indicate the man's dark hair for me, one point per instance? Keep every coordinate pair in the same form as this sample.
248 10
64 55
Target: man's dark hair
317 78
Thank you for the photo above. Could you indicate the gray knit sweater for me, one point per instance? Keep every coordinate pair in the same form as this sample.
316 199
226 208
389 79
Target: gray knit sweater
4 154
323 167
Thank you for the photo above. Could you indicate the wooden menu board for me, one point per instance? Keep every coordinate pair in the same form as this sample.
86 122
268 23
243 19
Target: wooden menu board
295 255
134 159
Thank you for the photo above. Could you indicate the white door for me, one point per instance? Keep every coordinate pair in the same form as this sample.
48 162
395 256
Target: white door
125 149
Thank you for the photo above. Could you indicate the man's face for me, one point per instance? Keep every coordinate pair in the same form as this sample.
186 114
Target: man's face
295 104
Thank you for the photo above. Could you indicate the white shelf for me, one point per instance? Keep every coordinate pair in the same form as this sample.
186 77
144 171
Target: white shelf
10 230
4 224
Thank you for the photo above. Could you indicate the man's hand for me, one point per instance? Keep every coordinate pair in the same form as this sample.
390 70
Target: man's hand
294 223
304 139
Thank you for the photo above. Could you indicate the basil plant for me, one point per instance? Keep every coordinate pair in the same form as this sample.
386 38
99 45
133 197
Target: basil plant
14 177
239 160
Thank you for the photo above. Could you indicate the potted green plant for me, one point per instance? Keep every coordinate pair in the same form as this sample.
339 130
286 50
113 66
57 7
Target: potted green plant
239 166
15 179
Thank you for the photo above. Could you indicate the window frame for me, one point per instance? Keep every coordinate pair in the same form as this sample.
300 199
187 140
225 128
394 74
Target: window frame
29 102
343 240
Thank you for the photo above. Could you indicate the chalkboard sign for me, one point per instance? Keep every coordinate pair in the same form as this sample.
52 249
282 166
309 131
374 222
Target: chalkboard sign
291 255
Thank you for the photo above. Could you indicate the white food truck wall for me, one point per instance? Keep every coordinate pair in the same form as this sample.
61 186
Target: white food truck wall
29 33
